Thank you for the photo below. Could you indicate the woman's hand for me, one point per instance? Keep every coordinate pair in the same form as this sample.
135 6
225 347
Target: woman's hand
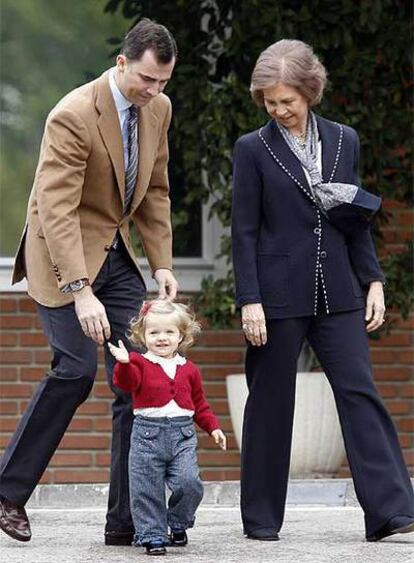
375 309
254 324
121 353
220 438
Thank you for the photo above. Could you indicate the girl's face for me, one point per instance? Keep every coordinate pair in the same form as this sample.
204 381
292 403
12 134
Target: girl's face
162 335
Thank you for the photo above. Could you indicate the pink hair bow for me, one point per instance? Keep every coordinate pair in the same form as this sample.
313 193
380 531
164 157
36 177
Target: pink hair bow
146 306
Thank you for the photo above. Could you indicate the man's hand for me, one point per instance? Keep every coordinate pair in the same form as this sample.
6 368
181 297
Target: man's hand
167 284
92 315
254 324
375 310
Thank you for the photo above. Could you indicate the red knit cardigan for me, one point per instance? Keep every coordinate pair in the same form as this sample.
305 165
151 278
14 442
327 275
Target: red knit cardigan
151 387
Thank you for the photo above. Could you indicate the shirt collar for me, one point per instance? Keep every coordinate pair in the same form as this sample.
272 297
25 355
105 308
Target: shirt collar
121 102
177 360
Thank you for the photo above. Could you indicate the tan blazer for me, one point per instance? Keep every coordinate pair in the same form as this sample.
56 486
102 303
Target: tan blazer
76 202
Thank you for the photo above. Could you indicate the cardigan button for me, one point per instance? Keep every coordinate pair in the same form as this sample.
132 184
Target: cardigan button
317 231
323 254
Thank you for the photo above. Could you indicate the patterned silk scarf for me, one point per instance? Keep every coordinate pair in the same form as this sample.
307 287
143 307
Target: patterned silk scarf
327 194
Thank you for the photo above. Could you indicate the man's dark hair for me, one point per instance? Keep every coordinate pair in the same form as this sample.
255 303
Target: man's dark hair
147 34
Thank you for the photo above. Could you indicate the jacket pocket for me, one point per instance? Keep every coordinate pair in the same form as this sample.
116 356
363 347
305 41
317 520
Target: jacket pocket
273 274
356 286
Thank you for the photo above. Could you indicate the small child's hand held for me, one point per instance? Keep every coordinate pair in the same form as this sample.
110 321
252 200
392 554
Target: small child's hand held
220 438
121 353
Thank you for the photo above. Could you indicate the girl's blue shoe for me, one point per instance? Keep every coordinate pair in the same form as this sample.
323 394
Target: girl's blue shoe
155 548
178 538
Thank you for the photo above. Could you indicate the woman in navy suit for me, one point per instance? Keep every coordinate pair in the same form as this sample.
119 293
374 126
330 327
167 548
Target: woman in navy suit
306 268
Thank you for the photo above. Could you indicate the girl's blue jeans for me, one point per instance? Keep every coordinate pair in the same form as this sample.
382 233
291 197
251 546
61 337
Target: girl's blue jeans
163 453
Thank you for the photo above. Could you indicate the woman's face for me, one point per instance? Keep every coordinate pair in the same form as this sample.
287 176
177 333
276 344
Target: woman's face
288 106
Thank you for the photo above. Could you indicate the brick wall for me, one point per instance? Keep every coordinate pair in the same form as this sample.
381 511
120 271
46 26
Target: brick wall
83 455
393 354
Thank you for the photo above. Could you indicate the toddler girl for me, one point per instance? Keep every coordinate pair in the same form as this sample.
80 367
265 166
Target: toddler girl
167 394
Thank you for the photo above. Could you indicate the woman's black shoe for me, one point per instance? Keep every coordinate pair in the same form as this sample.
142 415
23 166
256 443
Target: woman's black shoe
263 537
178 539
397 525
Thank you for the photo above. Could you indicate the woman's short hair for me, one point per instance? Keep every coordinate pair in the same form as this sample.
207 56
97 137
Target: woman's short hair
183 318
289 62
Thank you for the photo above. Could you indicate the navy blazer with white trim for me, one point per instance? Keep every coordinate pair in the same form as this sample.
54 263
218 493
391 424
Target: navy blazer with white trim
276 227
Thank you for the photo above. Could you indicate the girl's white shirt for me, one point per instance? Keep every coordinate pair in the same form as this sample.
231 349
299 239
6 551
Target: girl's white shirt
169 366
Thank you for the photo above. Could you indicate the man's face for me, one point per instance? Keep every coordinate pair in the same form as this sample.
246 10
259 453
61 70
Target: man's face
140 81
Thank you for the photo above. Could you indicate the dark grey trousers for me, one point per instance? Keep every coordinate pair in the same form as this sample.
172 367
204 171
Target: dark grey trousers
67 385
163 453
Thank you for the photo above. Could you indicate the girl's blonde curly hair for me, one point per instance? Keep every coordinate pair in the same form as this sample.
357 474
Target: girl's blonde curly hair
184 318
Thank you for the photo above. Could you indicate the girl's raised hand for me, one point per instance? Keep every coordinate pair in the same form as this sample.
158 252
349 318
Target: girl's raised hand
220 438
121 353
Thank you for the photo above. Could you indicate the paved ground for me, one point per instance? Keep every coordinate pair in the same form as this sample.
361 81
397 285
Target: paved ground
310 535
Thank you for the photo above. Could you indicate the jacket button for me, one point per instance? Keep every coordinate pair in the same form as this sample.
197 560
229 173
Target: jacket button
107 247
323 254
317 231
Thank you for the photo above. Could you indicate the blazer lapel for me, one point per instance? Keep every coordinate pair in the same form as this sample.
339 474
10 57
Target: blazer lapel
288 161
109 127
330 134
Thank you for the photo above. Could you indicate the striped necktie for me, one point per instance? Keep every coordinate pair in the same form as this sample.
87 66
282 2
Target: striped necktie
132 170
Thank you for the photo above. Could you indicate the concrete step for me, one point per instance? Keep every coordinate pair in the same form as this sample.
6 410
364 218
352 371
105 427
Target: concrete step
305 492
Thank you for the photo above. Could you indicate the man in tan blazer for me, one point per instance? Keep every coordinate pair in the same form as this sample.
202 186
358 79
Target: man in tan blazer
102 164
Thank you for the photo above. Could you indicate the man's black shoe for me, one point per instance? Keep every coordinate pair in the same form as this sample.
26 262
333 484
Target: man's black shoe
119 538
397 525
178 539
